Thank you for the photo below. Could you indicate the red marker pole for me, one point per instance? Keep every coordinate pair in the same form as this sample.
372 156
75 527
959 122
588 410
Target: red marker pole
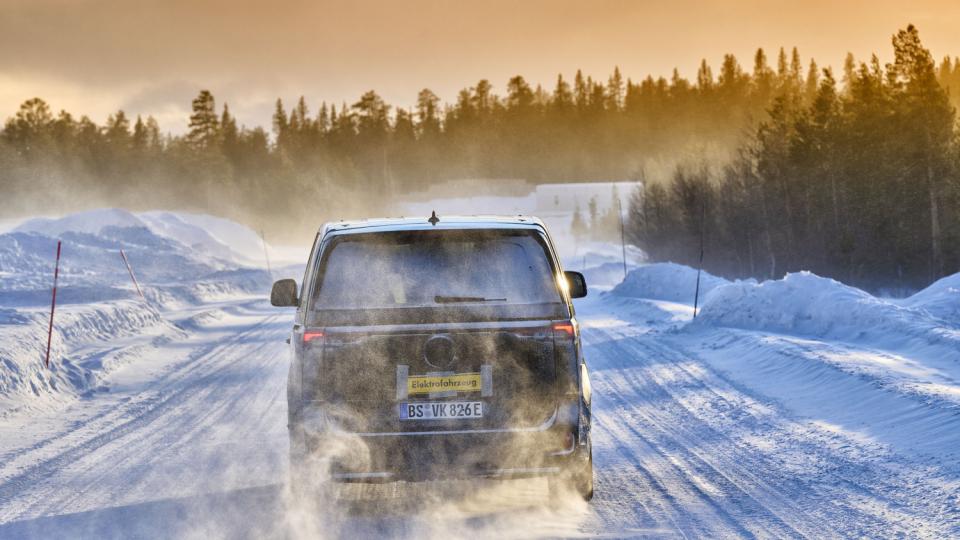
129 269
53 305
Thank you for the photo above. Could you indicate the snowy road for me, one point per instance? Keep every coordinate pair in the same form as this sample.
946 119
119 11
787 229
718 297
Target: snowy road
192 443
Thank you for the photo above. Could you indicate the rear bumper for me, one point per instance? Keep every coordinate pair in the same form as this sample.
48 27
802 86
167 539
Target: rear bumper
429 457
419 456
384 477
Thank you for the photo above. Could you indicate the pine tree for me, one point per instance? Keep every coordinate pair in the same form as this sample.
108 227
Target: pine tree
578 227
483 100
230 134
519 95
204 127
812 82
580 91
594 215
154 138
117 130
428 113
562 96
615 90
29 130
280 122
927 120
704 78
281 126
849 69
139 140
372 115
796 69
323 119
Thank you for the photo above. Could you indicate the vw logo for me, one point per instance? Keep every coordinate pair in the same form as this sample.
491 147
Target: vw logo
438 352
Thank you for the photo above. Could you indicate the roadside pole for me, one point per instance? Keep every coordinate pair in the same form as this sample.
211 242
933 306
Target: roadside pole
266 255
623 243
53 305
696 294
132 277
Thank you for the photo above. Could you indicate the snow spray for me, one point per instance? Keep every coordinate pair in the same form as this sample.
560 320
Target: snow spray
53 304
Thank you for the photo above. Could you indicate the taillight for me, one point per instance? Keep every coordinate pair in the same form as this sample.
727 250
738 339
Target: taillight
311 361
565 352
312 335
565 327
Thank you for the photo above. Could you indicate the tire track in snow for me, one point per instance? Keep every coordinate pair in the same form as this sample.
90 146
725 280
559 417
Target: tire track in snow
816 483
731 510
35 489
182 429
900 493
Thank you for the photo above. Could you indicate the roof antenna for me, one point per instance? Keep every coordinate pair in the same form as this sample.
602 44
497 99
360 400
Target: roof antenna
433 218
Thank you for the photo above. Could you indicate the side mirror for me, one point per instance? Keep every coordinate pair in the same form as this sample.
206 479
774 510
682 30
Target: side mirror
284 293
577 284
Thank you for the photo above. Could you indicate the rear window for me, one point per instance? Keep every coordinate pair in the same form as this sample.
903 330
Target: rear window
503 273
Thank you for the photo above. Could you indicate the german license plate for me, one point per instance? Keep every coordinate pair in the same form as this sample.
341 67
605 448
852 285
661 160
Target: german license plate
441 410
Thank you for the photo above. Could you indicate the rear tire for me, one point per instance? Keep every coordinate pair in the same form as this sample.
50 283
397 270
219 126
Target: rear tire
582 477
578 477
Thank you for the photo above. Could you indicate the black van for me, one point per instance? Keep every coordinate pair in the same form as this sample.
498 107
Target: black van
437 348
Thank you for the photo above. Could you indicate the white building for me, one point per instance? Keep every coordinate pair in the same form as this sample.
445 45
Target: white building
564 199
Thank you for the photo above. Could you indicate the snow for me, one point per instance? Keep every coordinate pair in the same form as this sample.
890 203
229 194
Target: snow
941 299
98 308
198 238
92 222
667 281
806 304
794 407
210 236
243 241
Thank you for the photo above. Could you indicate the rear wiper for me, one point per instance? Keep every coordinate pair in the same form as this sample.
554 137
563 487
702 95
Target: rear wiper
441 299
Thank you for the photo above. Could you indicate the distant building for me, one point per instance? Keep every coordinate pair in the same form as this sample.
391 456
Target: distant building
555 203
564 199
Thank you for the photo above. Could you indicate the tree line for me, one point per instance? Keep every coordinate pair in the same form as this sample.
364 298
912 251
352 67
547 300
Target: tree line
859 181
315 161
789 167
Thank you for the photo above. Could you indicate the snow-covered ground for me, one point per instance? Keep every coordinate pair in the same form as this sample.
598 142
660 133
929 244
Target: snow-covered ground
180 261
793 407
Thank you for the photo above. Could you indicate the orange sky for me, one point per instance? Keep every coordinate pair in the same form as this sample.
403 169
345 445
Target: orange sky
152 56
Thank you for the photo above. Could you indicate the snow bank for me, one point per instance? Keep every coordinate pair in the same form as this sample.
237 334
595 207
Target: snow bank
603 275
98 307
668 281
73 370
941 299
806 304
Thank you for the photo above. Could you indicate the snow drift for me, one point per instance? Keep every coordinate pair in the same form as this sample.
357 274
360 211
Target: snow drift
667 281
208 236
941 299
73 370
806 304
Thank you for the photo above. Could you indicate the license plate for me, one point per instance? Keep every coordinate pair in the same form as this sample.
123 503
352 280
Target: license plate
441 410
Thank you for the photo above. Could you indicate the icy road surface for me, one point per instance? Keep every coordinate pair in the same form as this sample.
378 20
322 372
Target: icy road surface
190 441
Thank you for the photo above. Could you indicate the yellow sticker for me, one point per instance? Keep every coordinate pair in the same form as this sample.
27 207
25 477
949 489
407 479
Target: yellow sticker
427 384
